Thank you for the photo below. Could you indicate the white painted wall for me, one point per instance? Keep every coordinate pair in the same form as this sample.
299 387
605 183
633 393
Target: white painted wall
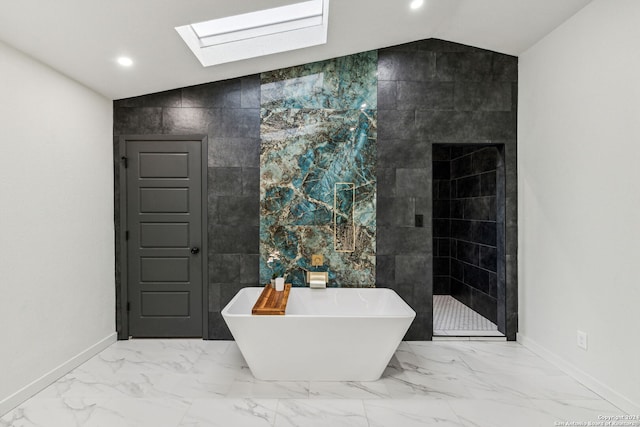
56 221
579 193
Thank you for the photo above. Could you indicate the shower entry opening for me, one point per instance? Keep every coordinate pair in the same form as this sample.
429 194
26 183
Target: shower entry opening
469 291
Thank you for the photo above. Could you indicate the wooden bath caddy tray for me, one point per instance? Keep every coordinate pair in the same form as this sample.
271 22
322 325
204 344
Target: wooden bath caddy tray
272 302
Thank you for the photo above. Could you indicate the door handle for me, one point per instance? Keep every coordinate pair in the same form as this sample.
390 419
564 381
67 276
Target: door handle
195 250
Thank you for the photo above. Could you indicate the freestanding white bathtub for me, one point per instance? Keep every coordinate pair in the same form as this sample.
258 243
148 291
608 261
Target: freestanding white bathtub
333 334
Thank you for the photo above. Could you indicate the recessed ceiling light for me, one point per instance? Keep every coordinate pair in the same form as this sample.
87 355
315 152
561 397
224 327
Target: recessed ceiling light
125 61
415 4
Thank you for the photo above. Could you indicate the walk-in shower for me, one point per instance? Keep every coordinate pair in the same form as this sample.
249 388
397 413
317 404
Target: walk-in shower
468 239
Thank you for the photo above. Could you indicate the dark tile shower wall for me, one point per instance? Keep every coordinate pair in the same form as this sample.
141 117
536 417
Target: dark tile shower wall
473 228
441 220
437 92
229 113
429 92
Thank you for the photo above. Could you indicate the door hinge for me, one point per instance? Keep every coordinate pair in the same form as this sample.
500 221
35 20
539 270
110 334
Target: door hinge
128 306
125 161
126 235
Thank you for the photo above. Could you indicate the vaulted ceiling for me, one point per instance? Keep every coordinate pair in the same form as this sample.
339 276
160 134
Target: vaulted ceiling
83 38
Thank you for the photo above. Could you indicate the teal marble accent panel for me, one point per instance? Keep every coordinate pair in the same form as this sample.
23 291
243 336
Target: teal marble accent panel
296 244
304 153
345 83
318 128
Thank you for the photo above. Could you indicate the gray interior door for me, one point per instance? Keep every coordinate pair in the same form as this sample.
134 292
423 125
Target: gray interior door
164 224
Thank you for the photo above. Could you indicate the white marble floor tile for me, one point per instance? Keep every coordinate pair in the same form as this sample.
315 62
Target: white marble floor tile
142 413
410 385
224 352
191 386
161 356
320 413
410 413
509 366
494 413
433 361
188 383
404 345
217 348
143 385
221 367
578 411
81 384
348 390
441 351
48 412
508 358
97 413
218 372
554 387
257 389
230 413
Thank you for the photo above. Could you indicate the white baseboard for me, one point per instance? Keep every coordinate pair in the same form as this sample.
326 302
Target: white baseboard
52 376
617 399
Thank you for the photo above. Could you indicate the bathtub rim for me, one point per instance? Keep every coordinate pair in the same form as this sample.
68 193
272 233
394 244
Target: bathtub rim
411 313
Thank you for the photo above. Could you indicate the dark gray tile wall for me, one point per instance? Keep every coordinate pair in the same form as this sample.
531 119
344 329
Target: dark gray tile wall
228 112
438 92
473 228
441 219
429 92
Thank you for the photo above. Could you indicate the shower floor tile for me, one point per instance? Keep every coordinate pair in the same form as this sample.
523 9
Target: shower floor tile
452 318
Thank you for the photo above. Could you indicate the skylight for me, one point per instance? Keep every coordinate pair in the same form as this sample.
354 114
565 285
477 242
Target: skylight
253 34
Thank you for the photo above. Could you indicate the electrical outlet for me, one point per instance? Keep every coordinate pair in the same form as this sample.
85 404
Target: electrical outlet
582 340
